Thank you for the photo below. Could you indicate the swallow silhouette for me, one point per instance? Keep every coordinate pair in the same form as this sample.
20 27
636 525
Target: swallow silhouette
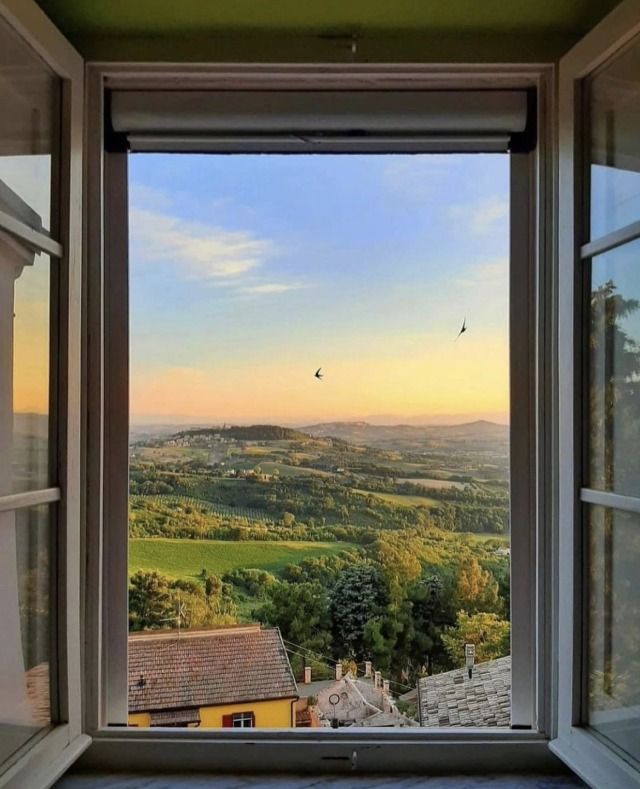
318 374
463 329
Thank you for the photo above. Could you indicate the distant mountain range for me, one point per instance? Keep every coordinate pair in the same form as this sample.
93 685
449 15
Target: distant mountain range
365 433
479 432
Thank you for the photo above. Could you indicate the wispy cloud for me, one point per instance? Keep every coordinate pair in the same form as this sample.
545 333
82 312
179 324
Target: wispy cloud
272 287
202 251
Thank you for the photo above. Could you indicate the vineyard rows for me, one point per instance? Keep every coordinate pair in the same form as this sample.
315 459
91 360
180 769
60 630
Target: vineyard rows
223 510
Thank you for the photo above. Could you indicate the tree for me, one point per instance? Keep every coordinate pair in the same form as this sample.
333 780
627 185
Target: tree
615 391
432 611
397 554
150 603
358 596
477 589
301 611
488 632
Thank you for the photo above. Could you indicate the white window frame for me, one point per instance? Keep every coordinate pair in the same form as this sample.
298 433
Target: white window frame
533 442
242 720
45 757
582 749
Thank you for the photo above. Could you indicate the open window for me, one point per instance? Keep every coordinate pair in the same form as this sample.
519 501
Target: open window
326 130
598 724
40 197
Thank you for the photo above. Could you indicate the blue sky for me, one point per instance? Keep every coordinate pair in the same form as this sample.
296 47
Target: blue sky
249 272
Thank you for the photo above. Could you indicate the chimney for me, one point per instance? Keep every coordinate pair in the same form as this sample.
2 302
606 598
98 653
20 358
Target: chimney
377 680
307 675
367 669
338 670
469 658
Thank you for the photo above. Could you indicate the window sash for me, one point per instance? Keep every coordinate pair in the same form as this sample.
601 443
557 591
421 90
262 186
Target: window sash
46 756
581 748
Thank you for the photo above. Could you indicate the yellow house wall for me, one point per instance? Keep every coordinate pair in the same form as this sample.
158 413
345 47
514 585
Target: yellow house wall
139 719
269 714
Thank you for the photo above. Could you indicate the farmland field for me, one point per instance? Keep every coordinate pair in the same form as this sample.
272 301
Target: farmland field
399 499
432 483
180 503
187 558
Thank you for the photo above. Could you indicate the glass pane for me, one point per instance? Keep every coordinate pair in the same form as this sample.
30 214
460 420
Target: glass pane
30 101
615 371
614 622
24 367
614 96
25 625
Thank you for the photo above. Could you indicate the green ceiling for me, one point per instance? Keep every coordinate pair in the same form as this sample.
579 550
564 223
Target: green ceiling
90 23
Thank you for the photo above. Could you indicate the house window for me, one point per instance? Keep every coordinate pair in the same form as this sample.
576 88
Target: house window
353 484
243 720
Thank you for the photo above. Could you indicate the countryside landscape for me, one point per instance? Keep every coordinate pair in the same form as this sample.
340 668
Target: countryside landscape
319 446
359 541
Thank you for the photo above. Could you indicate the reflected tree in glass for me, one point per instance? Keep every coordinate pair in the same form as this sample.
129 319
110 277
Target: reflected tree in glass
614 535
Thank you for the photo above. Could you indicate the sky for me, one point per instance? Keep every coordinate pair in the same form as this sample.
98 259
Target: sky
250 272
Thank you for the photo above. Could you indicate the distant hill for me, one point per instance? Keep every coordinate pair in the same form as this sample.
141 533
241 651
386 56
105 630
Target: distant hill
364 433
249 433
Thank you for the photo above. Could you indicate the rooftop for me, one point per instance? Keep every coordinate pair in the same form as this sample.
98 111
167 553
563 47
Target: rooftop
200 668
452 699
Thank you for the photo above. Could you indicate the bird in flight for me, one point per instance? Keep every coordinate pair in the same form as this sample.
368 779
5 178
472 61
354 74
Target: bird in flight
318 374
463 329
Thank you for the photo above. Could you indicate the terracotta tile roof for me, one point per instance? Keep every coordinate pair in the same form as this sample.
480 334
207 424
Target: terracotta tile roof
452 699
207 667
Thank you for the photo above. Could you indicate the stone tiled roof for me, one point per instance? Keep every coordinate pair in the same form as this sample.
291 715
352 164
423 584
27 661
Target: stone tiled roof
202 668
306 689
452 699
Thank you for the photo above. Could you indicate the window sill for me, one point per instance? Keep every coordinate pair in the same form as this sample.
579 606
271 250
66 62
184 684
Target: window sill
593 761
273 751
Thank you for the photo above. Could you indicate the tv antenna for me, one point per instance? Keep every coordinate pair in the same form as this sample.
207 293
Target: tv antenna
180 614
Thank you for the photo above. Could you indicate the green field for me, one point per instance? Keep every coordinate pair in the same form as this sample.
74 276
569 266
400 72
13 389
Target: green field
400 499
482 537
187 558
269 467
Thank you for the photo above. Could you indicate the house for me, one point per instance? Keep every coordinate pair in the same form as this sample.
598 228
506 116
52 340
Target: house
232 677
348 700
454 699
357 701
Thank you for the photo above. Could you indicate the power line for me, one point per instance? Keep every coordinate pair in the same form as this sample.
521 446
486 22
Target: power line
311 652
330 662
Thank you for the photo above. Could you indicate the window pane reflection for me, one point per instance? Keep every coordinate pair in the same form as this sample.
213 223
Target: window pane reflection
614 641
615 371
29 96
615 145
25 339
25 626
